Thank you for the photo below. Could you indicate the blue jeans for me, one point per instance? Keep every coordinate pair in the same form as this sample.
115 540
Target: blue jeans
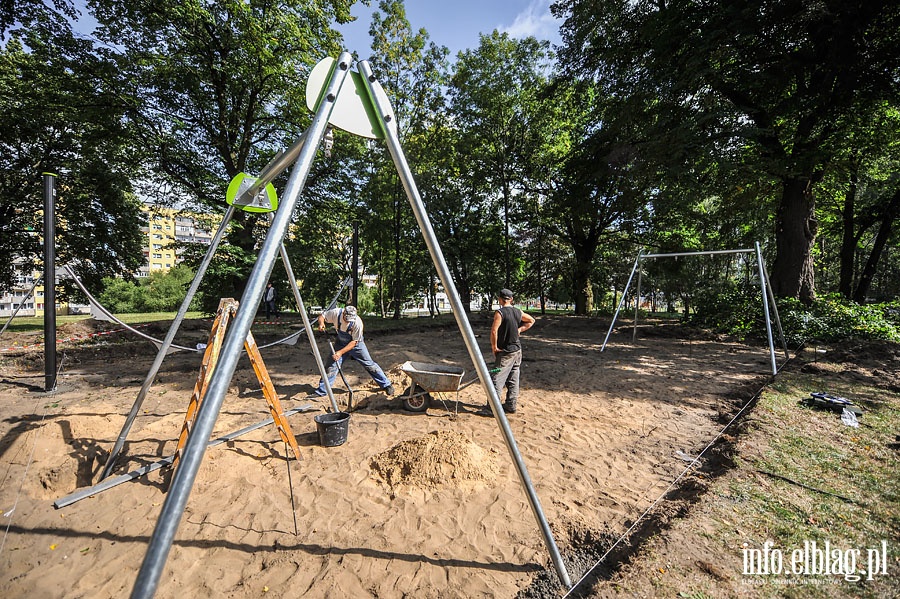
361 354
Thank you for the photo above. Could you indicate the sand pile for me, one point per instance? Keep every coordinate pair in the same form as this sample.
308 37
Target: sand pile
440 458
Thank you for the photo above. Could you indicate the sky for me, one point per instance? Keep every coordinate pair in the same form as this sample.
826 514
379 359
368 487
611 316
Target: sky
452 23
457 23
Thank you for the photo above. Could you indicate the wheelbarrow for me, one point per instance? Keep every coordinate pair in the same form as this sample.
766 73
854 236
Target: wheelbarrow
431 378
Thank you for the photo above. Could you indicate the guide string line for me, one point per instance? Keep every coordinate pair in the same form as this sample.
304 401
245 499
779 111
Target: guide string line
687 469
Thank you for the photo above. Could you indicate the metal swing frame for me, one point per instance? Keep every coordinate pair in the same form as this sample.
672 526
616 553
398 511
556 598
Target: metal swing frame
381 115
768 298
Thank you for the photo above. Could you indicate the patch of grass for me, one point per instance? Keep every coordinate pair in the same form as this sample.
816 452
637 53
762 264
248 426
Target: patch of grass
36 323
825 459
791 475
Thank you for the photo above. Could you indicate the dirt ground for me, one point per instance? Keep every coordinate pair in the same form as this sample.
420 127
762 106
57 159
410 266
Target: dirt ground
412 505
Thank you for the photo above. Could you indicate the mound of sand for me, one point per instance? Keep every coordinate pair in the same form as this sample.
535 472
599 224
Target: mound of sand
83 327
438 459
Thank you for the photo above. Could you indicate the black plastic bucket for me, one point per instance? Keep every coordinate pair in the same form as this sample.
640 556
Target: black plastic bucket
332 428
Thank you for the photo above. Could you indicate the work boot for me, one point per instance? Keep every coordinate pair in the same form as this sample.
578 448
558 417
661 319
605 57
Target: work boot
389 390
509 406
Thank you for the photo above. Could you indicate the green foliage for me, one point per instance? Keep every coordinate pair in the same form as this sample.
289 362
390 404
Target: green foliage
412 72
504 122
164 291
365 299
63 115
735 308
118 295
320 251
831 319
226 276
215 89
728 97
732 307
159 292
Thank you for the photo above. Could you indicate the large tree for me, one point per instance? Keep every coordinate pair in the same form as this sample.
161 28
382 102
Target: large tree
763 82
61 112
860 205
496 99
411 70
215 88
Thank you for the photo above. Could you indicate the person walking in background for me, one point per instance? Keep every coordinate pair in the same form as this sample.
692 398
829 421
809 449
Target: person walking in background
509 322
269 298
349 328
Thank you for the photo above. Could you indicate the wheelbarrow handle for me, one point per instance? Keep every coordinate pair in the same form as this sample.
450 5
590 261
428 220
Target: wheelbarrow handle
474 379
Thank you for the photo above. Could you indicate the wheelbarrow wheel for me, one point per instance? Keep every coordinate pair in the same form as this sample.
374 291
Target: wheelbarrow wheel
416 400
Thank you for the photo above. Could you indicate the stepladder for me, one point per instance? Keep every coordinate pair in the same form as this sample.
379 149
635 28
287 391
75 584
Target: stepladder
226 311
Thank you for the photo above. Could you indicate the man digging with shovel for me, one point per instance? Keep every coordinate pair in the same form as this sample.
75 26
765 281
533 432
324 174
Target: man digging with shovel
349 328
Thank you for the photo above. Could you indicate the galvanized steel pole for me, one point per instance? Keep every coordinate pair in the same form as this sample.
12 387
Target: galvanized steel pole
176 499
637 263
765 273
310 334
166 344
765 297
637 304
385 114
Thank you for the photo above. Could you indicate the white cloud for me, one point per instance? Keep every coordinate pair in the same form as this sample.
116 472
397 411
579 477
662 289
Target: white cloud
535 20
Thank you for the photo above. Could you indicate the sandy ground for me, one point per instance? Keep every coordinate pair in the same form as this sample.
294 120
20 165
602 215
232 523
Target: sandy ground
412 505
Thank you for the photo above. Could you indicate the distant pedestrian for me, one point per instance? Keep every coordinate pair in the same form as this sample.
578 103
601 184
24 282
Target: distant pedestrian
509 322
349 328
270 300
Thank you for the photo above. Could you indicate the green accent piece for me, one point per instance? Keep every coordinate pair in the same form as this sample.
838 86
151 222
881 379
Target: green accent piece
51 174
368 104
321 97
262 202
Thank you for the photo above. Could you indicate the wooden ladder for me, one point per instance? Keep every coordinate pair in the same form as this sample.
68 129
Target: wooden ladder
227 309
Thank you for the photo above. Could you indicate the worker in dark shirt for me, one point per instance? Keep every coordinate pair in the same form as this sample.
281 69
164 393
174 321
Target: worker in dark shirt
509 322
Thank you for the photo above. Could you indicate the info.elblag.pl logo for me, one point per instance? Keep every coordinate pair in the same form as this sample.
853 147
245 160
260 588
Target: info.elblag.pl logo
815 559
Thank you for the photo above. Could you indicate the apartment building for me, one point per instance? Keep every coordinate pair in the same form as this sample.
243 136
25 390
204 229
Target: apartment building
16 298
164 228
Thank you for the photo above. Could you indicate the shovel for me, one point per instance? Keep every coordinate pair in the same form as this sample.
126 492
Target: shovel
343 378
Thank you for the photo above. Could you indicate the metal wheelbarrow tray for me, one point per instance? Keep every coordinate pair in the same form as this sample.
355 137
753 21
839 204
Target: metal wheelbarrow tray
430 378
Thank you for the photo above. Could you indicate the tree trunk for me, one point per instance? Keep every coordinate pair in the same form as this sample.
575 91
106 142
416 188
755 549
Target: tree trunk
584 248
848 239
584 296
881 238
396 291
507 262
795 234
540 268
